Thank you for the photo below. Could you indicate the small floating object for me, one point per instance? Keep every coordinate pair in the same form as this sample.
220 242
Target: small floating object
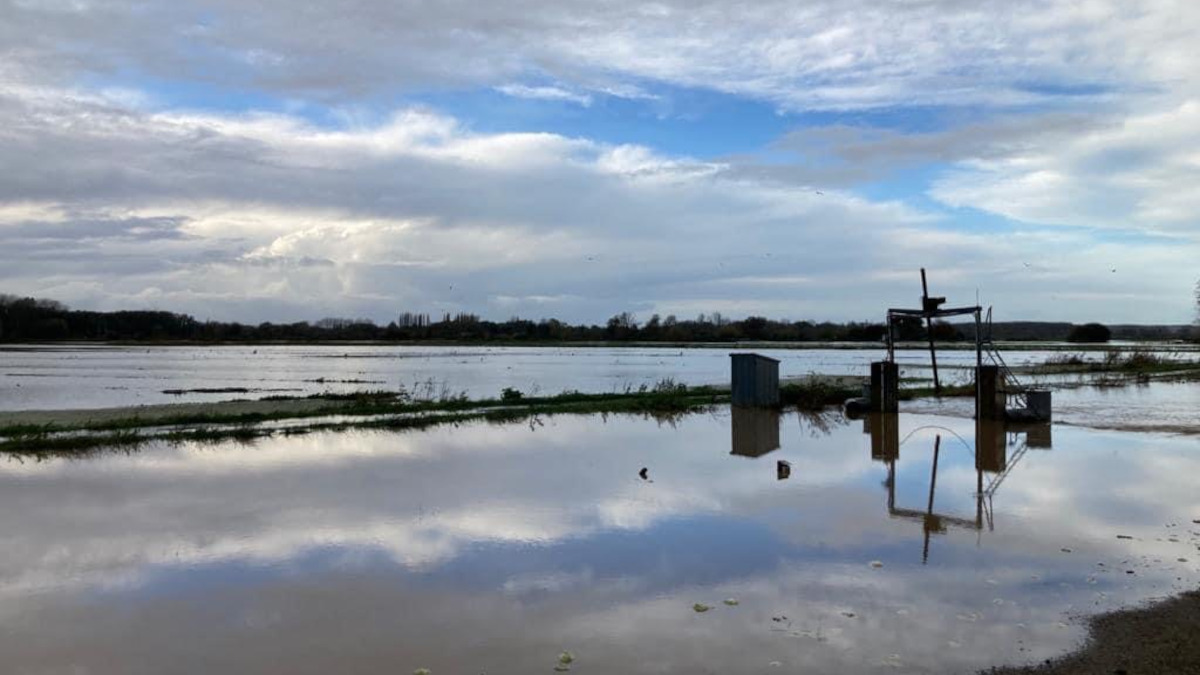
783 469
732 602
848 615
566 658
700 608
876 564
1124 536
421 671
644 473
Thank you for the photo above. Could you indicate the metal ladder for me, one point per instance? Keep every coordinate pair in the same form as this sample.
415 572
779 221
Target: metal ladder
1013 389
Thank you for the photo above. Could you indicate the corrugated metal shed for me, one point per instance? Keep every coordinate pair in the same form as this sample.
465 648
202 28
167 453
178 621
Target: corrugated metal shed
755 380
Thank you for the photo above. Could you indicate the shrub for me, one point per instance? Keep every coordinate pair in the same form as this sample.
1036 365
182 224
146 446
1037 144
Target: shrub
1089 332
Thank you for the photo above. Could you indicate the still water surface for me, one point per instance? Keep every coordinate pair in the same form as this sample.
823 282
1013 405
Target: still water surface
491 549
92 376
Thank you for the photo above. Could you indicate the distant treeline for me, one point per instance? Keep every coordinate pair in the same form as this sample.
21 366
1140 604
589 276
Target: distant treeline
30 319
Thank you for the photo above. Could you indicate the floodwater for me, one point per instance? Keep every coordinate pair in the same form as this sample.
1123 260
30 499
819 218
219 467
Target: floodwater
1162 406
51 377
493 549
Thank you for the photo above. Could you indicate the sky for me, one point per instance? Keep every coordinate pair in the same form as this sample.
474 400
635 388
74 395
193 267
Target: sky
273 160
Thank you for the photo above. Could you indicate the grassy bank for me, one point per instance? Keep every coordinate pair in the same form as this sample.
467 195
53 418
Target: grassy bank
74 431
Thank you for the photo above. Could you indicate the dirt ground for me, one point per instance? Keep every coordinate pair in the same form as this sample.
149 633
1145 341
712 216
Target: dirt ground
1162 639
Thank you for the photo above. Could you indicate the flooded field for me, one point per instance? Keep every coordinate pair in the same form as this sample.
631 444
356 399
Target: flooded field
901 544
93 376
1172 407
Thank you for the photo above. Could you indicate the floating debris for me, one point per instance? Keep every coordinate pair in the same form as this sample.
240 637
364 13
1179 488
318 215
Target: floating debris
775 664
700 608
783 469
422 671
644 473
876 564
848 615
732 602
1066 550
566 658
1124 536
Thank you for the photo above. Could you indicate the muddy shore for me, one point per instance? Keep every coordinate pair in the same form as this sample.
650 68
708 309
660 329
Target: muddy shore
1161 639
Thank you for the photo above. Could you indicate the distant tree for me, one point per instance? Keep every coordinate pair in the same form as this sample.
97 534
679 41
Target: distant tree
621 327
1089 332
755 327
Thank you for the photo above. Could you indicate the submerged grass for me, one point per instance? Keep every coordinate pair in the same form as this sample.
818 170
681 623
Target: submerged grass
365 410
665 400
1135 362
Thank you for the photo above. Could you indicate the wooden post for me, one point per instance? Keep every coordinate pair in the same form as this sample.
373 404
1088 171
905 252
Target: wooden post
937 385
885 387
990 403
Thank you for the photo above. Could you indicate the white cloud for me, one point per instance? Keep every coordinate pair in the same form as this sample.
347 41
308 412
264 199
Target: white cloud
797 55
111 204
545 93
1140 175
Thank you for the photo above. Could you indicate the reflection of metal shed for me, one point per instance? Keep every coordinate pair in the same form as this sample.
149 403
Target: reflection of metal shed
755 432
755 380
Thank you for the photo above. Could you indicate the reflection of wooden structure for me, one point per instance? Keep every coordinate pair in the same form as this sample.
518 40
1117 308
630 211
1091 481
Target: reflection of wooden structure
885 437
991 446
755 431
991 457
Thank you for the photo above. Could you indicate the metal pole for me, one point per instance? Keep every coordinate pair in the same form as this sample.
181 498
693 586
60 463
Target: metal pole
937 386
978 356
891 344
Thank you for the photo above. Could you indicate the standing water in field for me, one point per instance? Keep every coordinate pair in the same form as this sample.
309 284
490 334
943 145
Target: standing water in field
73 376
631 545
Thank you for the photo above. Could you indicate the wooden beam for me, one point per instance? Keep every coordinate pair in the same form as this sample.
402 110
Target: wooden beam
937 385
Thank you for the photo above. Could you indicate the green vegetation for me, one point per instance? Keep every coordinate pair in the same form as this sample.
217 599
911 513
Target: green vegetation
1115 361
665 400
361 410
815 394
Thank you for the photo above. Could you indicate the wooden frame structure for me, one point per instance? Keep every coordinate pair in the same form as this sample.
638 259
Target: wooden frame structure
931 309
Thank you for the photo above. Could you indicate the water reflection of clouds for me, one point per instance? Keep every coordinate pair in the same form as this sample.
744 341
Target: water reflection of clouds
557 521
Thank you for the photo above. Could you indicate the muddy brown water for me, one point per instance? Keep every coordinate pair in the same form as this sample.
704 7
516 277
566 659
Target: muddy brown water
493 549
